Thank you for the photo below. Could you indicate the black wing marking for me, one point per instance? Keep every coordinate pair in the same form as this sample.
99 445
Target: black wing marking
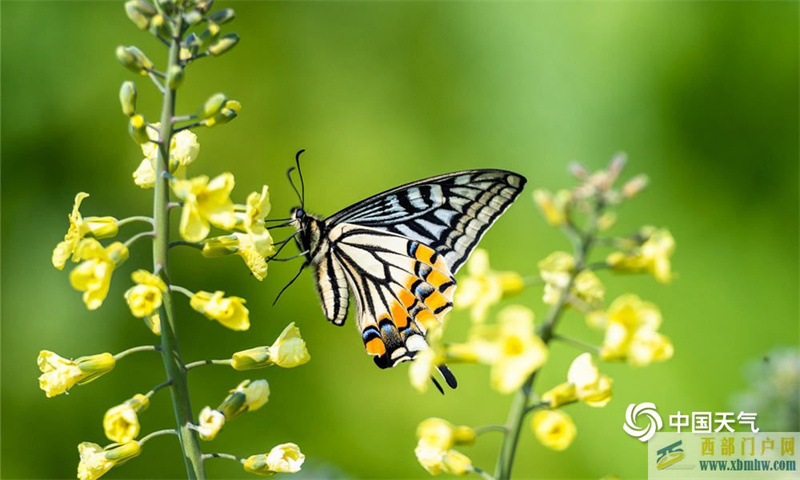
449 213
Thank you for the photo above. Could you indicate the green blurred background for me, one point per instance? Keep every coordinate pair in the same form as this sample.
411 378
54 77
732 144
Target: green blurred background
703 96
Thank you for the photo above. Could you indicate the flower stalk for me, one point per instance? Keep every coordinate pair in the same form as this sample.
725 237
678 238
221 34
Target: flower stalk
173 363
521 406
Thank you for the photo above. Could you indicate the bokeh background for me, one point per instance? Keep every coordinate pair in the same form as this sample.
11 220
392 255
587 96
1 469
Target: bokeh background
703 96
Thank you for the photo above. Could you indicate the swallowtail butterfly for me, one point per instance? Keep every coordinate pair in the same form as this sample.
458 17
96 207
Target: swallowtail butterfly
397 252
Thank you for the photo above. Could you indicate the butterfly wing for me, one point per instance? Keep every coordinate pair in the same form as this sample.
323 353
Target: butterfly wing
449 213
401 288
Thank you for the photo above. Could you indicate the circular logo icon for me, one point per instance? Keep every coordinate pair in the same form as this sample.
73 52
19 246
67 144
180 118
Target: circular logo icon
637 414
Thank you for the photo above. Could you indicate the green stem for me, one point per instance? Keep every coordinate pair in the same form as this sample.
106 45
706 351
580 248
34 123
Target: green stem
173 363
137 218
156 434
520 407
200 363
226 456
142 348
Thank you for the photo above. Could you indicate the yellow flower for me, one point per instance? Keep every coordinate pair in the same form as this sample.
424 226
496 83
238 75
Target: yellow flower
283 458
652 257
93 275
456 463
437 461
554 207
210 423
95 461
441 434
554 429
254 248
289 349
584 382
632 332
511 347
60 374
557 268
79 227
205 203
229 311
145 297
587 289
184 149
423 367
247 397
121 423
153 322
256 210
591 387
431 458
485 287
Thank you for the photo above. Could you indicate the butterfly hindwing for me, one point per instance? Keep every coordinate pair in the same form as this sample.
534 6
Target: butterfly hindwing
401 287
448 213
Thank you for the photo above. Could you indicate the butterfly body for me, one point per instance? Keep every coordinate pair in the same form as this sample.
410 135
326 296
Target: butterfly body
397 252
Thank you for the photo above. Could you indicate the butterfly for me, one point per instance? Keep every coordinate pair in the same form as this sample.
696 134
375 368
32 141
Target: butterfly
397 252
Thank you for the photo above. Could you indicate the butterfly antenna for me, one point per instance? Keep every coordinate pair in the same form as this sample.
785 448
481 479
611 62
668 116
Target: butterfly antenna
296 276
291 182
302 182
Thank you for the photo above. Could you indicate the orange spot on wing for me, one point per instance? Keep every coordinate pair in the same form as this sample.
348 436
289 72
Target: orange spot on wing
375 347
406 298
424 254
435 301
427 319
437 278
399 315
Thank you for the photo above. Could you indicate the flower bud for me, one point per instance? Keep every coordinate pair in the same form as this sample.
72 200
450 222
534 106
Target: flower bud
193 18
225 115
222 16
137 127
168 6
158 27
578 171
174 77
137 13
464 435
634 186
134 59
213 105
247 397
251 359
224 44
209 35
559 395
127 98
606 221
203 6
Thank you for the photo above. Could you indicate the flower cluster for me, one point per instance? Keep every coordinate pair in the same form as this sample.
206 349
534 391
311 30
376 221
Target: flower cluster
211 220
516 348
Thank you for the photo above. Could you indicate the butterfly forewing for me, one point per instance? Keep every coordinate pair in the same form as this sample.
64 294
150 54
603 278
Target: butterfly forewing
449 213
